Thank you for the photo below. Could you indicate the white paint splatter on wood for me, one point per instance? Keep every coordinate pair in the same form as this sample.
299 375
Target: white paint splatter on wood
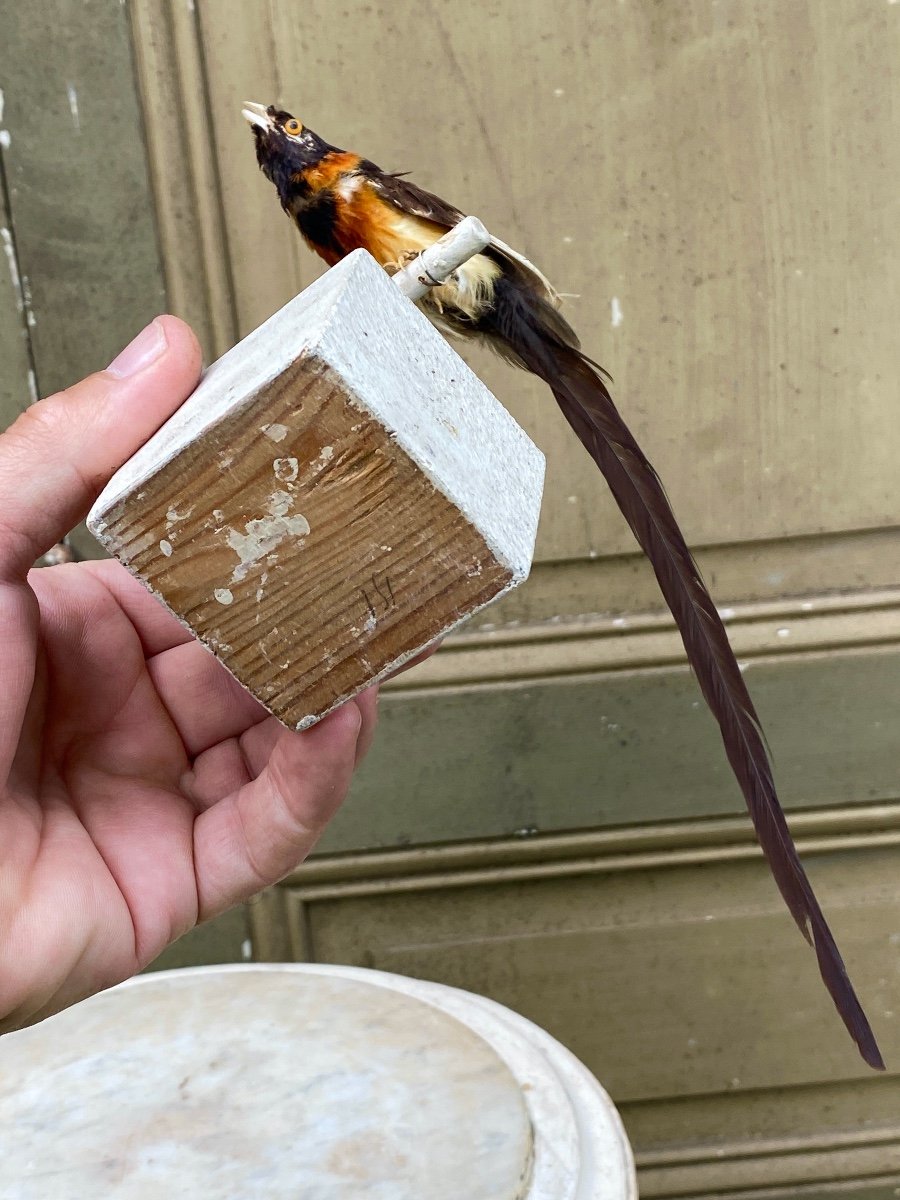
223 595
263 535
173 516
166 546
280 504
275 431
286 469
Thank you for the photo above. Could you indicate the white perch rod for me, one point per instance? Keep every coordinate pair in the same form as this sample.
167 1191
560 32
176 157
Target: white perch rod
433 265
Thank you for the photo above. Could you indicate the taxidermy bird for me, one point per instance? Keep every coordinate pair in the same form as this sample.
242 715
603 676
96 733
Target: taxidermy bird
340 201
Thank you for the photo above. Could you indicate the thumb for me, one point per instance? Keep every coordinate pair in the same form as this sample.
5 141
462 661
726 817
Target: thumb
58 455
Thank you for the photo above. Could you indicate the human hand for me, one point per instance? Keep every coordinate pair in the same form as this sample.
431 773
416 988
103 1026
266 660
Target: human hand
142 790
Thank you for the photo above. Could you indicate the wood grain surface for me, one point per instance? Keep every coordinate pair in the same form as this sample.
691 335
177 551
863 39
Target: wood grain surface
310 558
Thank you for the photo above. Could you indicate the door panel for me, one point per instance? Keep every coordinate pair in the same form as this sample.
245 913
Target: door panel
742 211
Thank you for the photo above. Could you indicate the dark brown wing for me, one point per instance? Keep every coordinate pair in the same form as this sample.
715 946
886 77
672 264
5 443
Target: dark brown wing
411 199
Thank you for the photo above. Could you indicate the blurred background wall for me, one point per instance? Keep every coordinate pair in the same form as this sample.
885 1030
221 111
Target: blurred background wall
548 817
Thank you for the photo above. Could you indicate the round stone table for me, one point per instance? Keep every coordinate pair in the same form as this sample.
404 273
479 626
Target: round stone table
301 1080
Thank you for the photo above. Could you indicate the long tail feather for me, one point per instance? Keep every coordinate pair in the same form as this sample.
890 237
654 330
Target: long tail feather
522 332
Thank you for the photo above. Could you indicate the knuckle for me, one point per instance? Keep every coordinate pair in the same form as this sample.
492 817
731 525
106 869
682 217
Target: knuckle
37 435
44 421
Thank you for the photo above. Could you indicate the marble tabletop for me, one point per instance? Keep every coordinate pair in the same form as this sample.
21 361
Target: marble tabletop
256 1084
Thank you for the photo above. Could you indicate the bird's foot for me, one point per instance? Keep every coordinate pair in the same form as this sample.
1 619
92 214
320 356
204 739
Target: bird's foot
404 260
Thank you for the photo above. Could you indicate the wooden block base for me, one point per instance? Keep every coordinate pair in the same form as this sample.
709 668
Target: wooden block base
338 492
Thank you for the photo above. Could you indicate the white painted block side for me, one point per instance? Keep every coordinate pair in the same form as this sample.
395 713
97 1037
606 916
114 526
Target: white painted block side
416 385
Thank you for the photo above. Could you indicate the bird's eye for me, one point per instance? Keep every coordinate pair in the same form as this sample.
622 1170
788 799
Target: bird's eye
292 127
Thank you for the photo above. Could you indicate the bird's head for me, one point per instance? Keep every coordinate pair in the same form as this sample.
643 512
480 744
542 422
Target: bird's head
285 147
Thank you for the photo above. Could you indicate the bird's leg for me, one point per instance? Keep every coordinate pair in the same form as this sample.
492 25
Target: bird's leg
404 260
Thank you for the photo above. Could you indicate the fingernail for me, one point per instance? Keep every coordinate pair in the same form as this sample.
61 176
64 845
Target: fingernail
146 348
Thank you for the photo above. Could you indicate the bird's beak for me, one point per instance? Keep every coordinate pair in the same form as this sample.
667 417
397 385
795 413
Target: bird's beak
256 115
